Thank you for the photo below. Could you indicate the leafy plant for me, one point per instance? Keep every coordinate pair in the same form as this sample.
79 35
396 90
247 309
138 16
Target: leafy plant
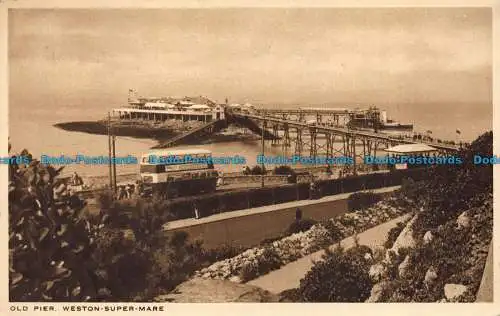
249 271
50 250
301 225
360 200
341 276
393 234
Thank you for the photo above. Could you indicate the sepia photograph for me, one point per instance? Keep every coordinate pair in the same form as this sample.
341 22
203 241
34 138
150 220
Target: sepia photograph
257 154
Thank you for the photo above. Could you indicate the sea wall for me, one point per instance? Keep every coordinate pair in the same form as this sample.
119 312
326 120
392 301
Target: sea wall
247 228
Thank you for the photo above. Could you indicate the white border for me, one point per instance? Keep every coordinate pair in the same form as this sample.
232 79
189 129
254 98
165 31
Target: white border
240 308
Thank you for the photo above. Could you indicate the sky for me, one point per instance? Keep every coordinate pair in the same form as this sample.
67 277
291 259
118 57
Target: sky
331 55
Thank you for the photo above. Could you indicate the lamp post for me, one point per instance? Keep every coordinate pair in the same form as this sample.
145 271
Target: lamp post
263 149
109 152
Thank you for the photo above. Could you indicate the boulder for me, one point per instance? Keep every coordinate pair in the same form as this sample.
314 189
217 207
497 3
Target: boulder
428 237
377 292
405 238
129 234
216 291
453 291
430 276
463 221
404 267
377 272
390 256
235 279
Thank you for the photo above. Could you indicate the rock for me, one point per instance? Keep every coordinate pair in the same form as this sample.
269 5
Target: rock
377 292
216 291
235 279
405 238
440 228
129 234
463 221
453 291
390 256
377 272
217 265
430 276
404 267
428 237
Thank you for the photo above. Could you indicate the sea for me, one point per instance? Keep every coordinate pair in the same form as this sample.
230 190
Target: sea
31 127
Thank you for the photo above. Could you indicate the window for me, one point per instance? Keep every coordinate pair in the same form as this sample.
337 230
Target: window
152 169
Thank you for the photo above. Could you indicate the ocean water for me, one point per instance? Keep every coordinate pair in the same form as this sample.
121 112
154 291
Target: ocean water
31 122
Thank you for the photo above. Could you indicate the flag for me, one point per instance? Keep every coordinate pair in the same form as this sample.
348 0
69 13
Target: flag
458 131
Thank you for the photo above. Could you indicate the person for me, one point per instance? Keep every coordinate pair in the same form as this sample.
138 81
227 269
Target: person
130 191
137 188
121 193
312 190
74 179
80 180
196 211
127 191
298 214
329 170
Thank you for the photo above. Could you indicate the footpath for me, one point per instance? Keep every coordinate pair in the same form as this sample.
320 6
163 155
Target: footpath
289 276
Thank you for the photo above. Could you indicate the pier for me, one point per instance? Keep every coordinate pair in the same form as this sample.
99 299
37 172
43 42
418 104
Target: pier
303 137
200 132
346 132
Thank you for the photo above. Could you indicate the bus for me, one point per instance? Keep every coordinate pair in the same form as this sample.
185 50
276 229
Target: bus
180 172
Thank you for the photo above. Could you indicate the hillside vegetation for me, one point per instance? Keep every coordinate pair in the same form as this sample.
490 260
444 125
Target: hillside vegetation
438 256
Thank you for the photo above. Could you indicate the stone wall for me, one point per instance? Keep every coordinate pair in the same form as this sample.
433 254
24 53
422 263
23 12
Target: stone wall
248 230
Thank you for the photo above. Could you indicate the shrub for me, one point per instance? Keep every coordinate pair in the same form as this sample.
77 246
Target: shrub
122 262
173 261
340 277
455 254
55 254
221 253
49 245
268 241
249 271
292 295
257 170
269 261
393 234
334 231
283 170
300 226
360 200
